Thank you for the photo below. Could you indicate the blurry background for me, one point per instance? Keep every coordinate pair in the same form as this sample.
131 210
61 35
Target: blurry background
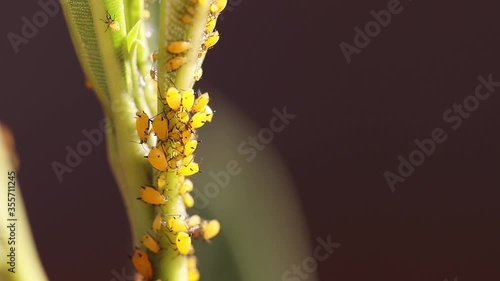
353 120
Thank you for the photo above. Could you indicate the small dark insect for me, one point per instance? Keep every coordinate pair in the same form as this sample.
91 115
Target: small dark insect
111 22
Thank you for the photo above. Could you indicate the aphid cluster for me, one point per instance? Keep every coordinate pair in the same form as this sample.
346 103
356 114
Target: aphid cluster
175 131
172 156
211 36
174 153
178 49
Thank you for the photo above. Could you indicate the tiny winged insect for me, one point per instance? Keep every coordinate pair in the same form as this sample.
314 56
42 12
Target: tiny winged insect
111 22
205 229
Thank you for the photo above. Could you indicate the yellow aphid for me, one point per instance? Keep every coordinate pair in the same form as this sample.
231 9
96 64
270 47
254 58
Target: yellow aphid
198 120
190 147
221 4
178 150
210 27
193 274
211 40
188 170
160 127
111 22
183 242
200 102
178 47
177 225
172 163
142 264
198 73
183 117
218 6
162 181
157 222
188 200
187 18
176 134
157 159
209 113
202 228
174 99
181 125
188 99
194 220
187 186
171 115
188 159
211 229
152 196
176 63
186 136
151 243
142 126
214 8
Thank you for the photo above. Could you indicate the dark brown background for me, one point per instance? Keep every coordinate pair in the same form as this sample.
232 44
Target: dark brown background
354 120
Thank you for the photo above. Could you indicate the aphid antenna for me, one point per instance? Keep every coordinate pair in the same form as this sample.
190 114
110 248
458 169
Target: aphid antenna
141 112
173 215
173 83
198 93
152 117
201 160
142 145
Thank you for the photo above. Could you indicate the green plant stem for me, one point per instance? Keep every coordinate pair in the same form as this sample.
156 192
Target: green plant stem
171 28
116 62
169 264
113 71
